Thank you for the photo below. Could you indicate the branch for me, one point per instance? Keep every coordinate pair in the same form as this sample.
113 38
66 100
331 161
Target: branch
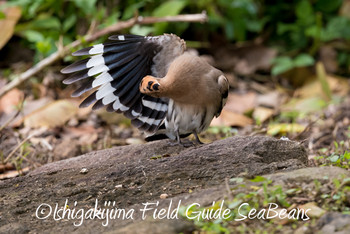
91 37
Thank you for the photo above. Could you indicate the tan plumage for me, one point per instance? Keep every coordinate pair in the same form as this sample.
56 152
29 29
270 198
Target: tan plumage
195 88
164 90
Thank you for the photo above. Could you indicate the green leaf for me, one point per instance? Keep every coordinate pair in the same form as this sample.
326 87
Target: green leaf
237 180
334 158
258 179
141 30
33 7
283 28
313 31
170 8
2 15
347 155
303 60
327 5
304 12
336 196
337 28
47 23
43 46
69 22
281 65
131 9
87 6
33 36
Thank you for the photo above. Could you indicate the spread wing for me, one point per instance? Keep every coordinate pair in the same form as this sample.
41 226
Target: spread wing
116 68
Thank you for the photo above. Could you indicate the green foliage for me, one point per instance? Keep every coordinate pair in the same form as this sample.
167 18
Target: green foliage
259 192
285 63
238 19
298 28
169 8
303 28
340 156
224 131
254 197
337 200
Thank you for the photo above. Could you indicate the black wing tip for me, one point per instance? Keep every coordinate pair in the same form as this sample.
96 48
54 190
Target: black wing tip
67 81
124 37
82 52
77 66
66 70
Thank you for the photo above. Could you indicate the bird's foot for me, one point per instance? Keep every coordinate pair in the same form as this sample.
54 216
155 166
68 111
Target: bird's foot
198 141
185 144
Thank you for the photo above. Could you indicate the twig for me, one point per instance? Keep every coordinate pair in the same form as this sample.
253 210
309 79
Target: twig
18 146
88 38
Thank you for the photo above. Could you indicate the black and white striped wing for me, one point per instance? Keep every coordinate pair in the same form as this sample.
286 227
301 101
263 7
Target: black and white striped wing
116 68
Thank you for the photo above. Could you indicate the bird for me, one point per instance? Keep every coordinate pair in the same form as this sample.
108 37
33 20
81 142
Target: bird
166 91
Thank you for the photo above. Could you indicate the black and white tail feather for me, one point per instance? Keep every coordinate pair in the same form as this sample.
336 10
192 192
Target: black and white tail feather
115 70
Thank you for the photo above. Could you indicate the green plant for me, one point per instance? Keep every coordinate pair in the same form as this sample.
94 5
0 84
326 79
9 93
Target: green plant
304 29
256 195
298 28
340 156
282 64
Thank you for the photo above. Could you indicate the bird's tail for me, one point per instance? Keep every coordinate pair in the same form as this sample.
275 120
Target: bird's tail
163 133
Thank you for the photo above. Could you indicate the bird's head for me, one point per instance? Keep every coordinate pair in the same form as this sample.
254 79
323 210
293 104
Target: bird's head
149 85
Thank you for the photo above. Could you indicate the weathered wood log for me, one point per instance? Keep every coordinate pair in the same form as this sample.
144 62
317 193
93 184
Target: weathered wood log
132 175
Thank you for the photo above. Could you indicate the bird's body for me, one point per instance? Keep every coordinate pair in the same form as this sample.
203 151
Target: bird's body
164 90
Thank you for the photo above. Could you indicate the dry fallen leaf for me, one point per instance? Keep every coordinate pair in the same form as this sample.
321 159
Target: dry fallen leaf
304 105
345 9
6 167
271 99
111 118
7 25
134 141
256 58
314 210
328 56
228 118
282 217
282 128
52 115
240 103
262 114
338 85
13 173
10 100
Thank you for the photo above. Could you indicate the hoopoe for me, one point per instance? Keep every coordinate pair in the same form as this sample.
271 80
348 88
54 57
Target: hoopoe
164 90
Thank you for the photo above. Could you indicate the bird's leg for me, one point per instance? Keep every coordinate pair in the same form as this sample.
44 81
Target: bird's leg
184 144
178 138
179 142
197 138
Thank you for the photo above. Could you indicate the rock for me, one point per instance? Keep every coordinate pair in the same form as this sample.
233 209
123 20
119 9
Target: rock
157 226
334 222
143 170
14 228
308 175
314 210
